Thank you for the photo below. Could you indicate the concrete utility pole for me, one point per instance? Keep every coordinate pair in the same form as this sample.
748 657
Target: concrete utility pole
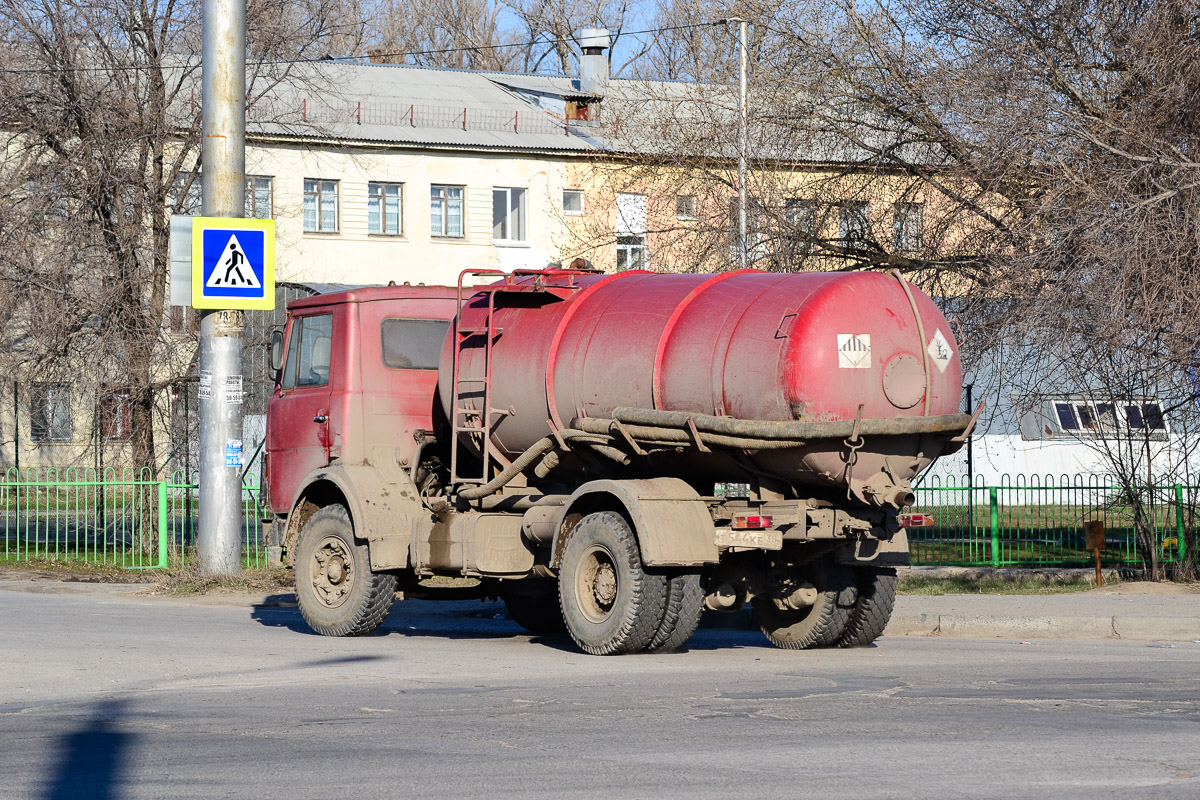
223 161
742 142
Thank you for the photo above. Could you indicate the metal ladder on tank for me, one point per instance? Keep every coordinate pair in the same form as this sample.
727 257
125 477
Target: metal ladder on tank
461 426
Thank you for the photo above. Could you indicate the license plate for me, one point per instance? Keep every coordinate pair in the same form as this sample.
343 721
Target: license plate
760 540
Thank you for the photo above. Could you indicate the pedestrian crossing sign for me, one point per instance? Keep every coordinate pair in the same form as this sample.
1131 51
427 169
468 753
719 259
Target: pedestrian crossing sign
233 263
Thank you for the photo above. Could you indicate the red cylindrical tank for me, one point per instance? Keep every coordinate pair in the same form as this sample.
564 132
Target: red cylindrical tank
748 345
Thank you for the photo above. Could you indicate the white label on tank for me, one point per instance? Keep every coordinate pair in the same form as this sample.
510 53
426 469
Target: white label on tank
854 350
939 350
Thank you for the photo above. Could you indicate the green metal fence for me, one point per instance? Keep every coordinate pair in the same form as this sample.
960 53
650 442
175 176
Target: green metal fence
111 516
1038 521
127 518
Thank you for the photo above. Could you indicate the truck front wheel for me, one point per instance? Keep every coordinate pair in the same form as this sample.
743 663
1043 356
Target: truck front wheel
610 603
336 590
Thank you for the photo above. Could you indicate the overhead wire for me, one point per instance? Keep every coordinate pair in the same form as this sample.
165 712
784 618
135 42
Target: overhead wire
355 58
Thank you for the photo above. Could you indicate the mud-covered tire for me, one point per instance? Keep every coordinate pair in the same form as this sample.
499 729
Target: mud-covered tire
820 625
336 590
535 606
681 614
609 602
873 609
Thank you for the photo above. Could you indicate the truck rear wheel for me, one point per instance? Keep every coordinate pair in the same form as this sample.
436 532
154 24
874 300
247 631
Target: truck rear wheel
821 624
681 615
876 598
336 590
609 602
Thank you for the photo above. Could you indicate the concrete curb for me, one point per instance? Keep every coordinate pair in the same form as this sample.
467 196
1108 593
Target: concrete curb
1130 628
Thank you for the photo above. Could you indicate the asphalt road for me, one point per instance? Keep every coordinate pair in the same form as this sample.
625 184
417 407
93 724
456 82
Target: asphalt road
111 696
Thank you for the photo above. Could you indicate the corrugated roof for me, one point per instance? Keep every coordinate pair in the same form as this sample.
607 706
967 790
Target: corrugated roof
408 105
464 109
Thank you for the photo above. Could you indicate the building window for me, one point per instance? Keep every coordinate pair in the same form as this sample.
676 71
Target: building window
854 225
186 195
685 206
308 353
801 217
320 206
907 227
631 252
1144 416
573 202
1080 418
50 412
508 215
260 197
383 209
631 231
446 211
116 419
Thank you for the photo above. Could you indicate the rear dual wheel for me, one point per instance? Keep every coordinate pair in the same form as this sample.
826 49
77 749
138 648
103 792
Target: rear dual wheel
873 609
611 604
820 624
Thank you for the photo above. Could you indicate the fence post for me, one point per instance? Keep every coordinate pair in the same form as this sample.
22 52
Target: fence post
1180 547
994 512
162 525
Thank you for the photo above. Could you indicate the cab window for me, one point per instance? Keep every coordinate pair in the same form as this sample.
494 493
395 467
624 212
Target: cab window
308 352
413 343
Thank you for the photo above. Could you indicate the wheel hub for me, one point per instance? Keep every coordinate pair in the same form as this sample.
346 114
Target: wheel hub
332 572
604 587
597 585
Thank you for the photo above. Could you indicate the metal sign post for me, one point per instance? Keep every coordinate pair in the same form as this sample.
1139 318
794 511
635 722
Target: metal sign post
223 164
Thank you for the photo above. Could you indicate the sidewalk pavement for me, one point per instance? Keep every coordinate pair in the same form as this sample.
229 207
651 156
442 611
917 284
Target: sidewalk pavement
1130 611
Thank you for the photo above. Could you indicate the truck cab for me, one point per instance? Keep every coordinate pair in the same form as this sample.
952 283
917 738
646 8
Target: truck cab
358 379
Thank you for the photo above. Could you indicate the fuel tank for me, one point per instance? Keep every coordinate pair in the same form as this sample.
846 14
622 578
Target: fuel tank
747 345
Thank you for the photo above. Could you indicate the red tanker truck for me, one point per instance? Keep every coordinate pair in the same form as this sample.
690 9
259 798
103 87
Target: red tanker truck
610 454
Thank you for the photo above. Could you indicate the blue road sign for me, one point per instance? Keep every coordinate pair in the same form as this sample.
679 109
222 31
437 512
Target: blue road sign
233 263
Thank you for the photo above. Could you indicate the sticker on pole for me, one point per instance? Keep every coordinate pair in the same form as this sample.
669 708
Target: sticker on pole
854 350
233 263
940 351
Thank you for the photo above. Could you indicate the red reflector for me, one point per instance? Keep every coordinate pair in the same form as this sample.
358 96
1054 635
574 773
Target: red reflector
751 521
916 520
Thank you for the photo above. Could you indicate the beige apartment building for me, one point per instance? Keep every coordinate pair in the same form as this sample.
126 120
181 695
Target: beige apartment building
377 173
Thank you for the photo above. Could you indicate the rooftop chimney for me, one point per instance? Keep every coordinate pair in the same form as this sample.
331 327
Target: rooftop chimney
593 64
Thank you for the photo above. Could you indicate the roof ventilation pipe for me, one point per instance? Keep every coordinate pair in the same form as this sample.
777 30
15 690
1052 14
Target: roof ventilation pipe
593 64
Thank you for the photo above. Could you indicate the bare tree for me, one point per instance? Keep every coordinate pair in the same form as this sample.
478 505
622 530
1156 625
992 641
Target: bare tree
1032 163
101 116
464 34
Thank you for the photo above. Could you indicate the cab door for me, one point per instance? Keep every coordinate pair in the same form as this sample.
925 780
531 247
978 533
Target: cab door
300 421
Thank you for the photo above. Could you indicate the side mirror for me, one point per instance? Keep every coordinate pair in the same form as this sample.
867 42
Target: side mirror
276 350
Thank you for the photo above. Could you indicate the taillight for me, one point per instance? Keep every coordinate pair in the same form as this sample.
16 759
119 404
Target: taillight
915 520
745 522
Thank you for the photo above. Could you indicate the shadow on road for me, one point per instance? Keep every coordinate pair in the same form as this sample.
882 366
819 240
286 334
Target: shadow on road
93 760
465 620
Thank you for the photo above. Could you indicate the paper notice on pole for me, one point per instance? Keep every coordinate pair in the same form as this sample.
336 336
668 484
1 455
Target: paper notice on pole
205 384
233 390
233 453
